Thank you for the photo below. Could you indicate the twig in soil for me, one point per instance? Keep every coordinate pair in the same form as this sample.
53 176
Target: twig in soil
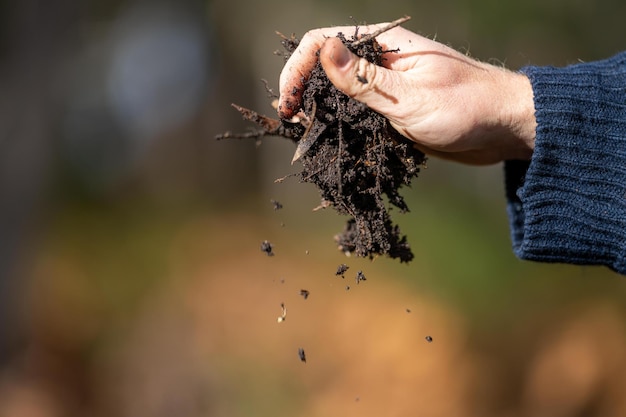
305 142
281 179
372 35
255 134
324 204
283 314
269 126
291 38
269 89
265 122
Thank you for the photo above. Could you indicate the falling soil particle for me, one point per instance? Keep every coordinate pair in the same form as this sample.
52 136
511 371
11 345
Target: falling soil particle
277 205
302 355
267 248
357 160
341 270
283 313
360 276
304 294
428 339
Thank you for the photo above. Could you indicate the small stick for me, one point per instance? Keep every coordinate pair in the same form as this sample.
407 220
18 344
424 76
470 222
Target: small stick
269 90
256 134
268 124
304 144
283 314
285 38
281 179
372 35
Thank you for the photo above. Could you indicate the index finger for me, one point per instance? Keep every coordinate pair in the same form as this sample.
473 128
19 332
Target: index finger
296 72
298 67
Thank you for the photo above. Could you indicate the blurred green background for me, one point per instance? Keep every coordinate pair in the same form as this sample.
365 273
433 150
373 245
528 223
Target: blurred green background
131 277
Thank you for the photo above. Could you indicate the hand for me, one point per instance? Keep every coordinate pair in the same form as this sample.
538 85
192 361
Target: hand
450 105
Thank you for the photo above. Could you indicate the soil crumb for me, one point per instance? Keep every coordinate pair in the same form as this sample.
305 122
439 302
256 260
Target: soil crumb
360 276
267 248
341 270
357 160
277 204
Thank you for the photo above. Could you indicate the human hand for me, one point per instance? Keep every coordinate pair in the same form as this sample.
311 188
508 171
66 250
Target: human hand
449 104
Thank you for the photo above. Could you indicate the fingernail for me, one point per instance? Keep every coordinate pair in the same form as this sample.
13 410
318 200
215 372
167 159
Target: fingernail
341 56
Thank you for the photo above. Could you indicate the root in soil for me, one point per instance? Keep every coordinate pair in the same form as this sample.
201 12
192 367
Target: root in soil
357 160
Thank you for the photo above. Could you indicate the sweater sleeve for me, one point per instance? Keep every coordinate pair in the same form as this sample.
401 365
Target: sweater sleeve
568 203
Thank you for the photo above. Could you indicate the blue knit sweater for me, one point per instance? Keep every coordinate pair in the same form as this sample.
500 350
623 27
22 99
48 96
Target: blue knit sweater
568 204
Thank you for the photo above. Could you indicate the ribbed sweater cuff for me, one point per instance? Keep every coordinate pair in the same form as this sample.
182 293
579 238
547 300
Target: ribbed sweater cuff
568 204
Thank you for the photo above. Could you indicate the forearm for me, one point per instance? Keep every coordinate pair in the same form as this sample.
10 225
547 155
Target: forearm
568 204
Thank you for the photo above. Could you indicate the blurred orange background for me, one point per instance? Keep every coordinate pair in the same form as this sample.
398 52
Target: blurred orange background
132 282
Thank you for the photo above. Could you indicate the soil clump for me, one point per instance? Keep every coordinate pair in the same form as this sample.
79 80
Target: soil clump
357 160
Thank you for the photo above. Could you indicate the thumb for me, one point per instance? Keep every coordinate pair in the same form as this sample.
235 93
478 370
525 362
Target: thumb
360 79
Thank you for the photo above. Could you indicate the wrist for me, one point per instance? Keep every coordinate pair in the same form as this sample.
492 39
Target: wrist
518 115
503 117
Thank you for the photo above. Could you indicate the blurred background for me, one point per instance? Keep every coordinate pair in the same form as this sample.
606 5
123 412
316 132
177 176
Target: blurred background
131 277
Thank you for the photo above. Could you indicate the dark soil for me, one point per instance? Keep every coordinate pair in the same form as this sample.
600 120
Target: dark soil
353 155
341 269
360 276
267 247
277 205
